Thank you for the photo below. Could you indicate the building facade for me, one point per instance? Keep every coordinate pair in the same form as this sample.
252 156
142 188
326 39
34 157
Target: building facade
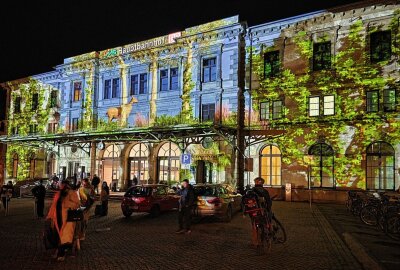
319 110
3 131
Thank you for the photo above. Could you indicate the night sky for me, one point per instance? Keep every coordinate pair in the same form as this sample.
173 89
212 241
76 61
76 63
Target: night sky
37 35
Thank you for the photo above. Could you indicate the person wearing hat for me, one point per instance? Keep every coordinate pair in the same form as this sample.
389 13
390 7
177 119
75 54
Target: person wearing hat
66 198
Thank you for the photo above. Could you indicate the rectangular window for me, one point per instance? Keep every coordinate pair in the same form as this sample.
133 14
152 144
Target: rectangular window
53 99
134 84
208 112
277 109
74 126
264 110
329 105
389 100
52 128
33 129
322 56
143 83
35 101
313 109
164 80
115 88
77 91
17 105
380 46
271 64
107 89
372 101
173 78
209 70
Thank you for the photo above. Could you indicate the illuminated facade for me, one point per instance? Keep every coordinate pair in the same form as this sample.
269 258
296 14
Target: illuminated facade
321 106
3 131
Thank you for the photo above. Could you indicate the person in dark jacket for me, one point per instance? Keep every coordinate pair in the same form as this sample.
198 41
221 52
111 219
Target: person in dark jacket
185 207
95 183
39 192
104 196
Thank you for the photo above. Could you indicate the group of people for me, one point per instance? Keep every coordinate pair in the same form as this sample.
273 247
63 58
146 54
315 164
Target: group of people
74 196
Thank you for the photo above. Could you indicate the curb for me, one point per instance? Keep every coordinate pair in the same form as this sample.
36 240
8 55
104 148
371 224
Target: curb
360 253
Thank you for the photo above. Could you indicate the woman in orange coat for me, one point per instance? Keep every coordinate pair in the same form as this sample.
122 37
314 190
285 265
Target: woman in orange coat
65 199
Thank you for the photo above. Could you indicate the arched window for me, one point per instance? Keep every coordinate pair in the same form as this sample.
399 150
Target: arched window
139 162
32 167
15 166
51 164
322 165
380 166
169 162
271 165
111 164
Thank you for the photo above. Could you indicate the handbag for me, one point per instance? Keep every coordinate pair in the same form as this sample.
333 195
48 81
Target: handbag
74 215
50 235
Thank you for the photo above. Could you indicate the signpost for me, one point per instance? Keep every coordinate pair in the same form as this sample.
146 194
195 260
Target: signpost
186 159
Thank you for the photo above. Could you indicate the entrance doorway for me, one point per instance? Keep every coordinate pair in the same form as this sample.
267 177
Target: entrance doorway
111 166
138 163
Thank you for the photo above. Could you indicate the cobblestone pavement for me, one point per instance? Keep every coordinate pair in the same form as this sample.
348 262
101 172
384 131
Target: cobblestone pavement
142 242
380 247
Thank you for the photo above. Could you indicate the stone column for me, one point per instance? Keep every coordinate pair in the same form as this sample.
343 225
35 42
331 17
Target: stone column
154 92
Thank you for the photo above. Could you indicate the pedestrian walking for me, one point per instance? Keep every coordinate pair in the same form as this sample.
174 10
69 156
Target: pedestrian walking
65 199
186 202
95 183
39 192
104 196
86 195
135 181
6 193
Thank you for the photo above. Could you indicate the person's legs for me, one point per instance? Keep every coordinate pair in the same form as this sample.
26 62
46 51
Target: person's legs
188 218
180 218
40 207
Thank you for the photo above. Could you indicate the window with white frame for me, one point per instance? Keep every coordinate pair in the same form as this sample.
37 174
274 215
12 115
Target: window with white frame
313 106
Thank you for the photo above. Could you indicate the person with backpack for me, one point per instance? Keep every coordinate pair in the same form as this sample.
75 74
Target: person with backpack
39 192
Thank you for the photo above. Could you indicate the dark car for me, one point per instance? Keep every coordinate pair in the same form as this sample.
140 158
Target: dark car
216 200
152 199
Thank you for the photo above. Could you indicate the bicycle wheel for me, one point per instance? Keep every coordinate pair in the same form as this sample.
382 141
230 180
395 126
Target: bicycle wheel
369 214
393 227
278 231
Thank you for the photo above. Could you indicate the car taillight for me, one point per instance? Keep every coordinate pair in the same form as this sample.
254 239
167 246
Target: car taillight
215 201
139 199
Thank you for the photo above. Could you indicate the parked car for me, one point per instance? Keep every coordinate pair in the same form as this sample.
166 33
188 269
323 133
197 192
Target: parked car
26 189
217 200
152 199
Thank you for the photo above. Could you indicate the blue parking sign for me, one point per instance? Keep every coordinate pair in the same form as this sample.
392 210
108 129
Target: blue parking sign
186 159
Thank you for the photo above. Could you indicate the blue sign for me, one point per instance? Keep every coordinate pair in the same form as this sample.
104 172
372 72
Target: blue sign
186 159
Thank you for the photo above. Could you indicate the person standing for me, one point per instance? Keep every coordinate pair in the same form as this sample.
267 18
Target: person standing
95 183
6 193
186 202
104 196
65 199
135 181
86 195
39 192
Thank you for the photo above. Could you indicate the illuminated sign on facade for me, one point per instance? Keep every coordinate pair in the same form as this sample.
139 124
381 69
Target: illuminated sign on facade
138 46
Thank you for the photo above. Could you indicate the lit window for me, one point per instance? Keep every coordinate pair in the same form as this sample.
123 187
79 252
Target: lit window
77 91
107 89
277 109
208 112
143 83
164 80
372 101
389 100
174 78
115 87
209 70
322 56
271 64
380 46
35 101
134 84
264 110
329 105
313 106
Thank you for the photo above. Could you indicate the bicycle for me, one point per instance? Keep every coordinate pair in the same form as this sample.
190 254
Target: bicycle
269 229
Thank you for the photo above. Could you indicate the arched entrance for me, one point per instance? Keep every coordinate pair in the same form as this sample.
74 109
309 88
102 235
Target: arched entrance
271 165
322 166
380 166
32 167
138 162
15 166
111 165
51 164
169 162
